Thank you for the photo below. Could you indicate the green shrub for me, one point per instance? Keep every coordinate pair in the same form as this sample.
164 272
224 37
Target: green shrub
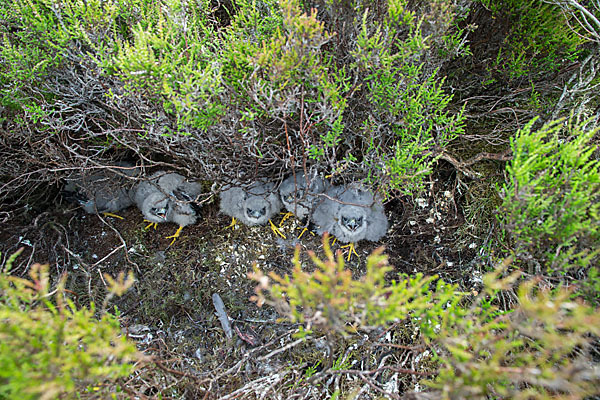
329 300
551 202
540 37
50 347
540 348
276 85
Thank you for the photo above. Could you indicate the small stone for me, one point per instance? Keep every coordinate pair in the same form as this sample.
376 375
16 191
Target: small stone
138 329
199 353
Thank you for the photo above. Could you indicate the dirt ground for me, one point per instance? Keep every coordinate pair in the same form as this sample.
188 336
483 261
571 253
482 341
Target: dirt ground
169 311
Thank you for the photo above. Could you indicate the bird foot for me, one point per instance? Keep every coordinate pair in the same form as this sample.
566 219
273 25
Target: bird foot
350 250
276 230
233 224
108 214
285 216
175 235
303 231
150 224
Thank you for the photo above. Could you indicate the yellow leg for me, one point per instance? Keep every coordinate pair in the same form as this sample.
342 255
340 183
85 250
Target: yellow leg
285 216
302 233
150 224
276 229
334 240
232 224
107 214
175 235
350 250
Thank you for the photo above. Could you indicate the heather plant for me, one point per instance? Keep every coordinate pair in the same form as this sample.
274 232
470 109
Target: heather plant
551 200
541 347
274 85
330 300
540 37
49 346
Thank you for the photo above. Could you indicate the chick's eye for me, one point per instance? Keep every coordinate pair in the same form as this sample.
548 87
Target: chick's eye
249 210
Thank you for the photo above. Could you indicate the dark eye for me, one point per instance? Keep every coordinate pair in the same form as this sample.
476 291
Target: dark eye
263 211
345 220
249 211
359 220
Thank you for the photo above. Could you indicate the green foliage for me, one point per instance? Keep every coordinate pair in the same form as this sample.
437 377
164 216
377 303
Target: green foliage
39 36
272 74
539 349
50 347
169 59
273 62
540 37
397 90
330 301
551 202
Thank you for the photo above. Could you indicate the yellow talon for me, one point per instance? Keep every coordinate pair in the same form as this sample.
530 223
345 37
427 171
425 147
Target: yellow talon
302 233
276 229
334 240
232 224
150 224
285 216
175 235
108 214
351 250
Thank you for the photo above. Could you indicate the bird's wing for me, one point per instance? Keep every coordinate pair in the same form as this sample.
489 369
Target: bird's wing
377 224
232 201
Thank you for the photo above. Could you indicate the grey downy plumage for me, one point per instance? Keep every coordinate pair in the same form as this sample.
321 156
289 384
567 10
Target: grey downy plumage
353 215
295 196
168 197
253 204
107 191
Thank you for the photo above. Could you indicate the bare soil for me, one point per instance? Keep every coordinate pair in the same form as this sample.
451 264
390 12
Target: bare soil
169 311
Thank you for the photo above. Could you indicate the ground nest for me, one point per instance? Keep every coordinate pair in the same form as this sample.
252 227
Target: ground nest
169 312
